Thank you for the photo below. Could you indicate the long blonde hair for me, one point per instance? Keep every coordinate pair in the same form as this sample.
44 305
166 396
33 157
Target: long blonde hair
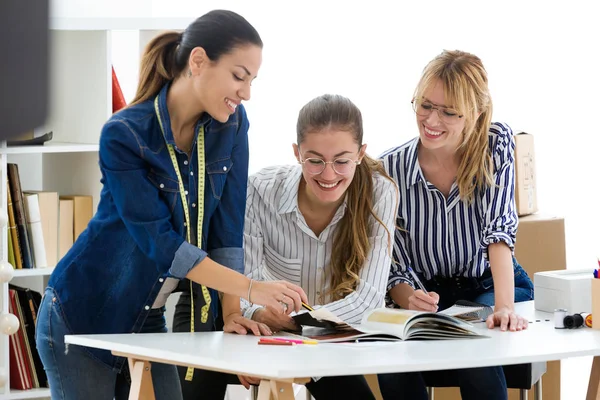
465 84
351 242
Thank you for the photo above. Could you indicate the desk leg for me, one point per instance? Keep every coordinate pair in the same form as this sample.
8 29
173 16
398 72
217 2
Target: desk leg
275 390
141 380
593 392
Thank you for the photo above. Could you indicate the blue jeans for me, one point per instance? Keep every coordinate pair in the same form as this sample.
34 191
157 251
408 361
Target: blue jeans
475 383
74 374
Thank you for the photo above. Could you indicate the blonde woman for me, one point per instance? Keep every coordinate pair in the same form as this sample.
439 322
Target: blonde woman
457 211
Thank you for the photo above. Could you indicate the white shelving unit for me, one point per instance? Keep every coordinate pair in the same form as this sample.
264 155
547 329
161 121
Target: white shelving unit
80 102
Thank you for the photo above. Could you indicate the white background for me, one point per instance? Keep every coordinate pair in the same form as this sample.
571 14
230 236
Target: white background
542 59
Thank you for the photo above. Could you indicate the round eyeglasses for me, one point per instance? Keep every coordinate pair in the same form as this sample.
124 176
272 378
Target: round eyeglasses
424 108
341 166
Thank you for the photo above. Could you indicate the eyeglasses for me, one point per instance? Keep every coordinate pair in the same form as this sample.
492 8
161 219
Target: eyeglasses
424 108
341 166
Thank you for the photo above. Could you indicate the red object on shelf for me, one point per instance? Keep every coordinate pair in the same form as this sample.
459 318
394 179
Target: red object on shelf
118 100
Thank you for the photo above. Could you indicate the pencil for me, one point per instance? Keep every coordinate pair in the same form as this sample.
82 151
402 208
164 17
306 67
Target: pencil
275 342
309 308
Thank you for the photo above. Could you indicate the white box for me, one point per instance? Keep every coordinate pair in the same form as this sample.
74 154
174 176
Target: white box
569 289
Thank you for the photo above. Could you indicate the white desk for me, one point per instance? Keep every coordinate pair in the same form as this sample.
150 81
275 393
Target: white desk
282 365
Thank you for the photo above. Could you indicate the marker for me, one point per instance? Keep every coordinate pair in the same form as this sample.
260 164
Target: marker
297 341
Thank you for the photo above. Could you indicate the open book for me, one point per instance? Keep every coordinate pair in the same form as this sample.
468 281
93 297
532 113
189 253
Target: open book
393 324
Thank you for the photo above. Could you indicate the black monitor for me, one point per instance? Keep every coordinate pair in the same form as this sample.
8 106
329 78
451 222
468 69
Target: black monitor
23 66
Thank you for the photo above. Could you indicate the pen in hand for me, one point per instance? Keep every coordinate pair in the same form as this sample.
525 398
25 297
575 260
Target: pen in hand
416 279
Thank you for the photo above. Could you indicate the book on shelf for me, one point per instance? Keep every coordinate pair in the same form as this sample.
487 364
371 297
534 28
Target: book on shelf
83 211
390 324
48 209
16 193
65 226
26 369
35 230
13 234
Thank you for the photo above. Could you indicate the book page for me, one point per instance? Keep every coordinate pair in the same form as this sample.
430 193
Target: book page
457 310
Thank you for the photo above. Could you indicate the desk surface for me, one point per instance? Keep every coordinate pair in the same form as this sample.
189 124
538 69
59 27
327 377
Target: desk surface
242 355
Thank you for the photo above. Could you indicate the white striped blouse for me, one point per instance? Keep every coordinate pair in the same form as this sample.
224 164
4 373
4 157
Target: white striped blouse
279 245
448 236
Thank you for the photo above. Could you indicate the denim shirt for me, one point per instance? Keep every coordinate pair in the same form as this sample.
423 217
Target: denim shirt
109 279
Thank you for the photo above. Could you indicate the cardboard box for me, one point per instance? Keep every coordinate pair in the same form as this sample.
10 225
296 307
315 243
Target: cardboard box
525 182
540 243
540 246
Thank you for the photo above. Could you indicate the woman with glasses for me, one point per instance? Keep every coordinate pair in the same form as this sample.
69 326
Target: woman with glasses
325 224
457 217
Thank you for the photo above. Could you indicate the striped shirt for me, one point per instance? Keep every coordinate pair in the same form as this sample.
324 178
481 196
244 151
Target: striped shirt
279 245
448 236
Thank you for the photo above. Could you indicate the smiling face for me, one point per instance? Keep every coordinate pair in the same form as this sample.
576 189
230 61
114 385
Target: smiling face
435 134
328 145
222 85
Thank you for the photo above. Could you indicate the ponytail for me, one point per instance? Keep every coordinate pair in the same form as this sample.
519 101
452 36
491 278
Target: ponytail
351 243
218 32
158 66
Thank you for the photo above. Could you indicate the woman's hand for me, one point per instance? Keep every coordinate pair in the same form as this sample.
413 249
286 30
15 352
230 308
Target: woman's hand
506 318
236 323
248 380
276 322
422 301
280 296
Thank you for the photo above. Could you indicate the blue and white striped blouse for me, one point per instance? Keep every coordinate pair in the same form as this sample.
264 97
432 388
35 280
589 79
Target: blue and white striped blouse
448 236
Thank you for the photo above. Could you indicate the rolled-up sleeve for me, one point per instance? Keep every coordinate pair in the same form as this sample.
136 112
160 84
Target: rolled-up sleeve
227 223
125 178
501 219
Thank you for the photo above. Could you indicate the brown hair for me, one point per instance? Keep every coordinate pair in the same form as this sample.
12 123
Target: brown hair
166 56
351 241
465 84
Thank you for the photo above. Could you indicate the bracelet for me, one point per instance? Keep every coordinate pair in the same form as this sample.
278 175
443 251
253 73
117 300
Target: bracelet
249 289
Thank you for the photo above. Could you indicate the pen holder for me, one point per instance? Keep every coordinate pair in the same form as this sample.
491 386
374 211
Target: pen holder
595 303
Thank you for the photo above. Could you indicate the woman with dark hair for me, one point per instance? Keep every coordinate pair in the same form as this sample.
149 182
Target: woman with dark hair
174 168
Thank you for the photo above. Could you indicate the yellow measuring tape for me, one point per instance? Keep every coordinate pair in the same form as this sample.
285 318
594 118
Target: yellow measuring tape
201 170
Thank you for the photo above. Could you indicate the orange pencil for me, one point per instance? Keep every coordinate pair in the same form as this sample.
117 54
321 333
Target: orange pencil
275 342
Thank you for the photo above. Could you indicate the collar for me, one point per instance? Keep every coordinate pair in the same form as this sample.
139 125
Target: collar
414 173
165 119
288 202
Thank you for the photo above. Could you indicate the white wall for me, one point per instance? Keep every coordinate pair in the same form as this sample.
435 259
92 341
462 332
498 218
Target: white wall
542 59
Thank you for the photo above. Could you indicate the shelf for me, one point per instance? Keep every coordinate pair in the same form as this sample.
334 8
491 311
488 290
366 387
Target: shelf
19 273
102 24
50 147
26 394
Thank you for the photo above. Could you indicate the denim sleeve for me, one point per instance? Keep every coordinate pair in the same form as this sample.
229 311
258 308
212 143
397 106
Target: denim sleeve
125 180
227 223
501 219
